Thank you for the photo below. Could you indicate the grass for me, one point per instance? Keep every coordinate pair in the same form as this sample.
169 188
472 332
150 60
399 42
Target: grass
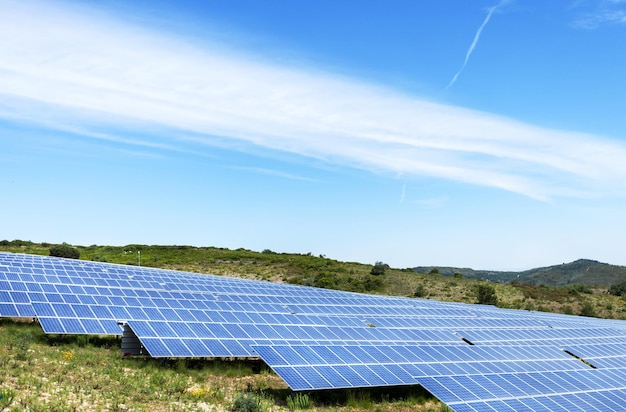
39 372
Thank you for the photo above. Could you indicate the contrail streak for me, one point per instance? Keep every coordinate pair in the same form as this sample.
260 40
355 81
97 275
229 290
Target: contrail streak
474 42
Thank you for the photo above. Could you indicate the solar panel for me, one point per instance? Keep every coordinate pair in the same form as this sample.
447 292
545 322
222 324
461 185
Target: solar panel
579 390
415 362
471 357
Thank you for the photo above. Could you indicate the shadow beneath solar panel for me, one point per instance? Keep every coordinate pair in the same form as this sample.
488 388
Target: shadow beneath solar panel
365 398
81 341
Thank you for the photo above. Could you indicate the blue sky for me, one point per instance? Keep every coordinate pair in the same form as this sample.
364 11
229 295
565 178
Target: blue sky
483 134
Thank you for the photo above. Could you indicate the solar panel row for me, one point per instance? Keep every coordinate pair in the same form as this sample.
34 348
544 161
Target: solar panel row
409 362
579 390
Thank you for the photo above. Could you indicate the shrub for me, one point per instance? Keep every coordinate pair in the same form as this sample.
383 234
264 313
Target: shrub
246 403
420 291
22 344
379 269
65 251
326 281
372 283
486 295
618 289
587 310
359 400
579 288
299 401
6 398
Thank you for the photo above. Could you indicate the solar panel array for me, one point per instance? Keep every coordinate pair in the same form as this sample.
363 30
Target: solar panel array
473 358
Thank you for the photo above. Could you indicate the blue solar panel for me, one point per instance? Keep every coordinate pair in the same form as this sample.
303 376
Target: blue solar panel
316 338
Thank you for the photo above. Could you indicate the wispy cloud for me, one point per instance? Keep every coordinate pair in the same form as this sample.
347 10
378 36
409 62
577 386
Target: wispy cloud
594 20
276 173
490 12
600 13
433 202
83 71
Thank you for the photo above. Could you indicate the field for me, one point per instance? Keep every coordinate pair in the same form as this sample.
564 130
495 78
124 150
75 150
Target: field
53 373
319 271
40 372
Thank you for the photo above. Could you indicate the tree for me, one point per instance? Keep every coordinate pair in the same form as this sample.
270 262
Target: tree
420 291
587 310
64 250
379 269
372 283
619 289
487 295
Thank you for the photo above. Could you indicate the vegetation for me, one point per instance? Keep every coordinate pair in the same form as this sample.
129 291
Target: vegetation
580 288
65 251
583 271
40 372
444 284
420 291
587 310
299 401
65 373
247 402
379 269
486 295
619 289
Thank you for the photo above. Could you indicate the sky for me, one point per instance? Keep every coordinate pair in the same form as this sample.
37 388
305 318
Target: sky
488 134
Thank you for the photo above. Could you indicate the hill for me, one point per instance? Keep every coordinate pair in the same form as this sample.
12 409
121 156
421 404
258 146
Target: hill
319 271
580 272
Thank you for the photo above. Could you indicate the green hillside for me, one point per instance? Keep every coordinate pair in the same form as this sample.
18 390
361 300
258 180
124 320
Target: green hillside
319 271
582 271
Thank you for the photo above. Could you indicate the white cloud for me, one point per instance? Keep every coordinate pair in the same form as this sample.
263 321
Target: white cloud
94 73
433 203
604 12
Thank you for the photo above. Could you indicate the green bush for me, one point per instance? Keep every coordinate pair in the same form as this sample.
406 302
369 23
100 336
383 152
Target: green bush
246 403
359 400
588 310
65 251
22 343
373 283
579 288
618 289
420 291
379 269
486 295
6 398
299 401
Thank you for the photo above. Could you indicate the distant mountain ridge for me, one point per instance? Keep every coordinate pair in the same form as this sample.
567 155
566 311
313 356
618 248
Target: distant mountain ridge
582 271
